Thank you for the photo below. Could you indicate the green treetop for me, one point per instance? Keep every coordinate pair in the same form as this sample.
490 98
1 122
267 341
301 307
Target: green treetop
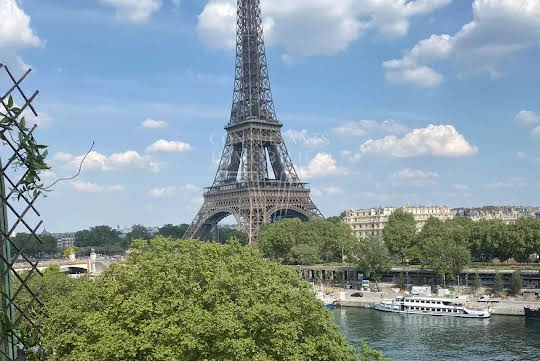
191 301
295 242
498 285
517 283
97 236
399 233
373 257
172 231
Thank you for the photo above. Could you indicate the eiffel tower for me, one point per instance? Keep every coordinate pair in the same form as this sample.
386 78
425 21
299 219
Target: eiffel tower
256 181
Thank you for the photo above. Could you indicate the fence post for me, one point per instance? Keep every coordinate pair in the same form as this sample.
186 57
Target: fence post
8 341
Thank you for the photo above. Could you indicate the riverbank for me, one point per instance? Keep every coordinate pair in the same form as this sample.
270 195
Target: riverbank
345 298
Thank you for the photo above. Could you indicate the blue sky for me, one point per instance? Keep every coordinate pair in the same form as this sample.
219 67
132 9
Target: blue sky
384 101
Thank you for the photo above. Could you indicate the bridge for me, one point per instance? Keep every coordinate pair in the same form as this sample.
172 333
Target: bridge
77 266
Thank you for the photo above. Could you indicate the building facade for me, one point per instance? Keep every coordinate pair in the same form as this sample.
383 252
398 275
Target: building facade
371 222
507 214
64 240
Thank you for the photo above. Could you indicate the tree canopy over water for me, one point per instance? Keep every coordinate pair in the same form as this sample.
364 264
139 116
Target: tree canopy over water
188 300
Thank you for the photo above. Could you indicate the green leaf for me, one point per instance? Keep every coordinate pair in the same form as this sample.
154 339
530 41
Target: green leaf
10 102
23 122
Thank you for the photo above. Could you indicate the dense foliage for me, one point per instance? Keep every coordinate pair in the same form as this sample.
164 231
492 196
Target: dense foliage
292 241
187 300
373 257
399 233
32 247
449 246
517 283
498 285
173 231
97 236
52 287
442 247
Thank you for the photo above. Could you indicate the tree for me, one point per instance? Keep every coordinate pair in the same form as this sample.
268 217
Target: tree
97 236
517 283
399 233
52 287
304 254
71 250
367 354
276 240
337 219
339 242
373 257
401 281
442 246
445 256
226 234
525 239
174 232
139 231
477 283
190 301
32 247
317 240
498 285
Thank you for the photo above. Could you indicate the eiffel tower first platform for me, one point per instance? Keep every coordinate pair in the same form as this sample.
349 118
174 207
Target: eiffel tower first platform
256 181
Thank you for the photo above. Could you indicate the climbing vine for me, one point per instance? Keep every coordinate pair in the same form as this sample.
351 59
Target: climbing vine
30 154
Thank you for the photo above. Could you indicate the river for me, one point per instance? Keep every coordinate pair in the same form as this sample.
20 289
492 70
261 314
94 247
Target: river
429 338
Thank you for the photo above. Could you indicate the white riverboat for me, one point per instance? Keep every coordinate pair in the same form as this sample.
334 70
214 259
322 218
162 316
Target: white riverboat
433 306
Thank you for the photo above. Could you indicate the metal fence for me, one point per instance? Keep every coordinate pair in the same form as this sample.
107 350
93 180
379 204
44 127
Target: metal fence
21 308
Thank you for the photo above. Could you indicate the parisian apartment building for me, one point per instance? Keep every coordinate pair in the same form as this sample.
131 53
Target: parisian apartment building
371 222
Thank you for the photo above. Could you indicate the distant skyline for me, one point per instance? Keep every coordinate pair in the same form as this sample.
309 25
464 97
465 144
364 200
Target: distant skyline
384 102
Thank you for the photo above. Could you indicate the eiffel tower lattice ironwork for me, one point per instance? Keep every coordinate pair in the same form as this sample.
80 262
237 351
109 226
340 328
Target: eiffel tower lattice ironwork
256 181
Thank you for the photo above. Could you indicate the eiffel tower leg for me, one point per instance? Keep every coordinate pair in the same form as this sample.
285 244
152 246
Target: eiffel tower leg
199 228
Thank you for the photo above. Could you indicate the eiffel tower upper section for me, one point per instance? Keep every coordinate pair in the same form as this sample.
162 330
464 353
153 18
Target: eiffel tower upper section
256 181
252 97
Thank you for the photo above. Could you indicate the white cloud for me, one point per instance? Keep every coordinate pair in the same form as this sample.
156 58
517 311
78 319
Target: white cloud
95 188
151 123
304 138
43 120
322 165
172 191
168 146
422 77
536 131
134 10
362 127
434 140
521 155
499 28
15 33
394 127
414 177
515 182
313 27
324 191
461 187
527 117
15 30
95 160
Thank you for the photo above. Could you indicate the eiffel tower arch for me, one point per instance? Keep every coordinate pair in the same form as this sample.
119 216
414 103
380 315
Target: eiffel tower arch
256 181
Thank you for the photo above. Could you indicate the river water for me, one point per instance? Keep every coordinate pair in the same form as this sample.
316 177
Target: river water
430 338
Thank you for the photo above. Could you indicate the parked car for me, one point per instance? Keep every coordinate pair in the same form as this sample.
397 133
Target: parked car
357 294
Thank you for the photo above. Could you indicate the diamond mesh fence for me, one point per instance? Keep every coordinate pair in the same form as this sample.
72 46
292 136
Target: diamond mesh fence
22 312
